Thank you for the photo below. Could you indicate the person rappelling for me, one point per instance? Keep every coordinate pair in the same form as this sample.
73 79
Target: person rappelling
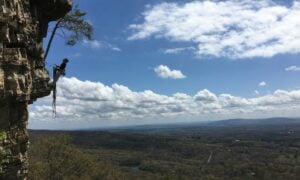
58 71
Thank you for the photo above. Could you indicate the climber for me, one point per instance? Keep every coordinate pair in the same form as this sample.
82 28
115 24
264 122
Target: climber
59 70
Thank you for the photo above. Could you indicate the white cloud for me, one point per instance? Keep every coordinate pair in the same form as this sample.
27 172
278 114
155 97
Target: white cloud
83 104
178 50
165 72
292 68
116 49
262 84
205 96
256 92
95 44
233 29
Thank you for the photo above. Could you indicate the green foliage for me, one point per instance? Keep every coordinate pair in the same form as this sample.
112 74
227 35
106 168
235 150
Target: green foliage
73 28
259 152
76 26
56 158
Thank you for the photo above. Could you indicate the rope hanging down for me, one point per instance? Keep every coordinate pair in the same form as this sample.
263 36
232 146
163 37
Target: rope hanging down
58 71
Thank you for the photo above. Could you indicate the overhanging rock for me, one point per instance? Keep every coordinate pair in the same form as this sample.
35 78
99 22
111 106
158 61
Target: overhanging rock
23 77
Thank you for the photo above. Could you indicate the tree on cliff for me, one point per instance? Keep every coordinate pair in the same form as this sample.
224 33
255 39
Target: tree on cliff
73 28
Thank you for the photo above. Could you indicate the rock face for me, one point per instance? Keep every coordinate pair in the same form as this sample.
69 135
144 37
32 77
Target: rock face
23 77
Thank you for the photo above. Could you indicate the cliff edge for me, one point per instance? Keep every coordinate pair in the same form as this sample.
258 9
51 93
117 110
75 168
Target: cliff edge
23 77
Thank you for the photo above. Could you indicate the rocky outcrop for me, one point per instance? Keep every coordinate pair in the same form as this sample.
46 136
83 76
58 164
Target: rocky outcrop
23 77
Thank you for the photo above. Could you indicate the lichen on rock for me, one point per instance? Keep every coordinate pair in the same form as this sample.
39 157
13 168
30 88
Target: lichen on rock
23 76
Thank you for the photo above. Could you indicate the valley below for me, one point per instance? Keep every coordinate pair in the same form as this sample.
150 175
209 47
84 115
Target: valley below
232 149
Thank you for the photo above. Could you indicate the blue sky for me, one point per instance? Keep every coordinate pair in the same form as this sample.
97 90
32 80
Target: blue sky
245 49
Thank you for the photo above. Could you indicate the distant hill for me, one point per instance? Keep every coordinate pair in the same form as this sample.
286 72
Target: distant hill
244 122
228 122
202 124
184 127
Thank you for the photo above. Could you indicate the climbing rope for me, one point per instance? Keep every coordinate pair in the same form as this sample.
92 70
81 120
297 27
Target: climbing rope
57 72
55 79
54 103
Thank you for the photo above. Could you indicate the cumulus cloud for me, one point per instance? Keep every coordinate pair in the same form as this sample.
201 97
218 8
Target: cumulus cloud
233 29
165 72
292 68
262 84
83 104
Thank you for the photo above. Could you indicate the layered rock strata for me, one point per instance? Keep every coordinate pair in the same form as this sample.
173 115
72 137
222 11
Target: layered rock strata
23 77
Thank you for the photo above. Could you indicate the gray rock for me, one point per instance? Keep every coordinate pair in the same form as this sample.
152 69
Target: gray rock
23 77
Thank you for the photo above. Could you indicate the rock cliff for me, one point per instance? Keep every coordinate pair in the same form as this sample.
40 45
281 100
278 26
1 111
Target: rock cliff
23 77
